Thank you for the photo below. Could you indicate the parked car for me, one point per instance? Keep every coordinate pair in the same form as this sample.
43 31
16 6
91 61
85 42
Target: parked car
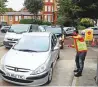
3 24
95 30
59 32
15 32
31 60
69 30
4 29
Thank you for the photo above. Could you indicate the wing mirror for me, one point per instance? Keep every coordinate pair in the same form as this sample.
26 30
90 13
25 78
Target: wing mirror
56 48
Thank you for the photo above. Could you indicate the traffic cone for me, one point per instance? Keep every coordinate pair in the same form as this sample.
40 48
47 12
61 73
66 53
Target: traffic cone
93 42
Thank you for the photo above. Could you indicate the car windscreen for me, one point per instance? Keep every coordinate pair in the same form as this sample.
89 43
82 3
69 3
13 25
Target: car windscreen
95 28
33 44
19 28
54 30
5 27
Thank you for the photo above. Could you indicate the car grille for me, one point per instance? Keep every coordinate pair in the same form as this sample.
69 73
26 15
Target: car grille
13 39
16 69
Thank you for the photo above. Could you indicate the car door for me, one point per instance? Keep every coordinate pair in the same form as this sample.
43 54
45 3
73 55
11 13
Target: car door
53 50
68 31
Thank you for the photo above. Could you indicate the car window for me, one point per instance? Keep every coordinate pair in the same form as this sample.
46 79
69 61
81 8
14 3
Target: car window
34 28
95 28
54 30
53 41
19 28
35 43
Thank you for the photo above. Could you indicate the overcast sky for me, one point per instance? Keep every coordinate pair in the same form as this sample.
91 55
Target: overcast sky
15 4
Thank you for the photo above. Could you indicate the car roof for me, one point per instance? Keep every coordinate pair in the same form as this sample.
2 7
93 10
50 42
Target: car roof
37 34
5 26
21 24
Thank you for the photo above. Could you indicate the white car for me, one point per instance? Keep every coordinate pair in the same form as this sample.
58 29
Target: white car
69 30
95 30
31 60
15 33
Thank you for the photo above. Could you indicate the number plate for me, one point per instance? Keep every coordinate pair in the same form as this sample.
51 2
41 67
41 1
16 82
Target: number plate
15 76
11 43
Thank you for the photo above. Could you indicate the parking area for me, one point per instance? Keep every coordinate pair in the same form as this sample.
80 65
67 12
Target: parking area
63 73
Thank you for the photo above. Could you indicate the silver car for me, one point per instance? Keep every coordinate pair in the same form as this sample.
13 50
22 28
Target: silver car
31 60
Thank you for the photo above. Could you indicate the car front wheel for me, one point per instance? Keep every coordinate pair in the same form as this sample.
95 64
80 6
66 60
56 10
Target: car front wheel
50 75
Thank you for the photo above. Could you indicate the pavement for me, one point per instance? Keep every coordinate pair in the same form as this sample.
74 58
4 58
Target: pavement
2 37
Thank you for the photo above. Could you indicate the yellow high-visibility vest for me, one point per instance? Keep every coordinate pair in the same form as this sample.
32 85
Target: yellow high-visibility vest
81 46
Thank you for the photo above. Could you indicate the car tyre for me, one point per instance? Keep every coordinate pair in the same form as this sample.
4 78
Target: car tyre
58 56
62 47
50 75
7 47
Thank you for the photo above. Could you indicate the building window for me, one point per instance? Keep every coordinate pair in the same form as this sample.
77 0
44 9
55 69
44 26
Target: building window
25 17
46 8
19 18
45 17
49 8
16 18
2 18
46 0
52 9
49 18
10 18
51 0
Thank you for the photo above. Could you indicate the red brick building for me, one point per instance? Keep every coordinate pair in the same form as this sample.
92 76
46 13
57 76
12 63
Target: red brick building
49 12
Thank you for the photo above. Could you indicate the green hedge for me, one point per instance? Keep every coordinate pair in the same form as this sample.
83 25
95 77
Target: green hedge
79 27
33 21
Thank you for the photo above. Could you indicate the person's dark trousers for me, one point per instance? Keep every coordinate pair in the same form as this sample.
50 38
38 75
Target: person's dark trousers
80 58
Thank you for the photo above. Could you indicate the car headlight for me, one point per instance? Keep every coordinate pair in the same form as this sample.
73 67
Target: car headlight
39 70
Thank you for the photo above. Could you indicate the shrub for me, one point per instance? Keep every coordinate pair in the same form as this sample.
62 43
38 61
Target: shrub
79 27
34 21
87 22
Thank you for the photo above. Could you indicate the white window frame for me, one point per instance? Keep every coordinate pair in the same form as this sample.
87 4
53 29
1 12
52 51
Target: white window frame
51 0
45 17
20 18
49 18
16 18
25 17
10 18
2 18
49 8
46 8
46 0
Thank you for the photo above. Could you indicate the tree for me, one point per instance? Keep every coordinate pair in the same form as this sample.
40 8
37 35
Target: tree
68 10
89 8
34 6
2 6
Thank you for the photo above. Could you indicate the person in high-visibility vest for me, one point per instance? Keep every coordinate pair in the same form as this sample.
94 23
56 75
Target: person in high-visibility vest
81 49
